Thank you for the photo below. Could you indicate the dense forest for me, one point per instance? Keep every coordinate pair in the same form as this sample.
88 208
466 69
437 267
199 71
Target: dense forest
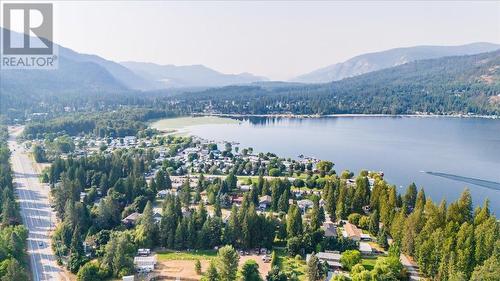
120 123
13 235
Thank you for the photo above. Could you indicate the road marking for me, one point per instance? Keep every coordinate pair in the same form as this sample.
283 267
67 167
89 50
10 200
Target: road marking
33 200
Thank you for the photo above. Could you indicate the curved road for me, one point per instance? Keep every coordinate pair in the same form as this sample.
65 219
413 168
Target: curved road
33 198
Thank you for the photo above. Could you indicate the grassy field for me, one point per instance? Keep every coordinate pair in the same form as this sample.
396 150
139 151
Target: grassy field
182 122
291 265
202 255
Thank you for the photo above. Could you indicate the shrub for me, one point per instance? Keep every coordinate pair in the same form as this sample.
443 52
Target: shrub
354 218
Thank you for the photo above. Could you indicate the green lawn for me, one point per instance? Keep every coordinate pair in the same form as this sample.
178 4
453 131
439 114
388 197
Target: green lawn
291 265
200 254
369 263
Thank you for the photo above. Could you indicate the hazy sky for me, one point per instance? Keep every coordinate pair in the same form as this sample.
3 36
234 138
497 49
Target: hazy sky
274 39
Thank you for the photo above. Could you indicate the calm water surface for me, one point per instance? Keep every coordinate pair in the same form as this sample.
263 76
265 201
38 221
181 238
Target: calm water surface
466 150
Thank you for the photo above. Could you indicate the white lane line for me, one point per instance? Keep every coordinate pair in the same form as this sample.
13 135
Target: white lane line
28 201
38 221
27 222
32 217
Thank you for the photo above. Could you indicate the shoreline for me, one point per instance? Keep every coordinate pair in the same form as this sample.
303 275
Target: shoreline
494 117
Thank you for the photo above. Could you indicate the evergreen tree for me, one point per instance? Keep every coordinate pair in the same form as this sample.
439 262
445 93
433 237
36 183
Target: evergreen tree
231 181
160 180
482 213
361 194
331 203
465 249
9 213
276 275
314 269
420 201
489 271
374 221
76 242
227 263
341 208
294 221
197 267
486 235
217 209
315 220
212 274
283 203
250 271
382 238
146 229
233 227
180 235
185 193
410 196
275 196
15 272
274 259
76 252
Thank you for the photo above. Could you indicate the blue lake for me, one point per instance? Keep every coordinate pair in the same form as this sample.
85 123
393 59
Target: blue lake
459 152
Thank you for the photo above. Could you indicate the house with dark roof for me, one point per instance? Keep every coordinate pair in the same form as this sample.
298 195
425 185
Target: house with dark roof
265 202
131 219
330 229
331 258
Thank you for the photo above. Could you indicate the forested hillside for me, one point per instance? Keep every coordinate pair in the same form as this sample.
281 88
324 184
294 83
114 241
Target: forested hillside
465 84
380 60
450 85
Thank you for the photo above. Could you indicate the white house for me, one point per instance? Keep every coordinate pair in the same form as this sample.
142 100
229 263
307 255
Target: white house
143 252
365 248
245 187
305 204
331 258
145 264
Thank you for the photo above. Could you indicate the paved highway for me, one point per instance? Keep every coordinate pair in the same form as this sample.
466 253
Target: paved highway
33 198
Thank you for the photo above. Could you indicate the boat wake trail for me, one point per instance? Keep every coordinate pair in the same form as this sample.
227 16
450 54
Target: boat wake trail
479 182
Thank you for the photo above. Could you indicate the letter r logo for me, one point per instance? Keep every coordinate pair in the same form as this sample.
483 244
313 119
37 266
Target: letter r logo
41 28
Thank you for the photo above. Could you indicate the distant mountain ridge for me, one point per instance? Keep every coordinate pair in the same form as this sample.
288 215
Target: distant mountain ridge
76 72
125 76
468 84
173 76
369 62
87 73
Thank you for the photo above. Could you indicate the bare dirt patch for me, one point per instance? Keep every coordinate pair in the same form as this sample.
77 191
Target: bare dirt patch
180 268
184 269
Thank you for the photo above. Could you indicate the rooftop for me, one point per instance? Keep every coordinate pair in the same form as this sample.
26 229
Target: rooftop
365 247
352 230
